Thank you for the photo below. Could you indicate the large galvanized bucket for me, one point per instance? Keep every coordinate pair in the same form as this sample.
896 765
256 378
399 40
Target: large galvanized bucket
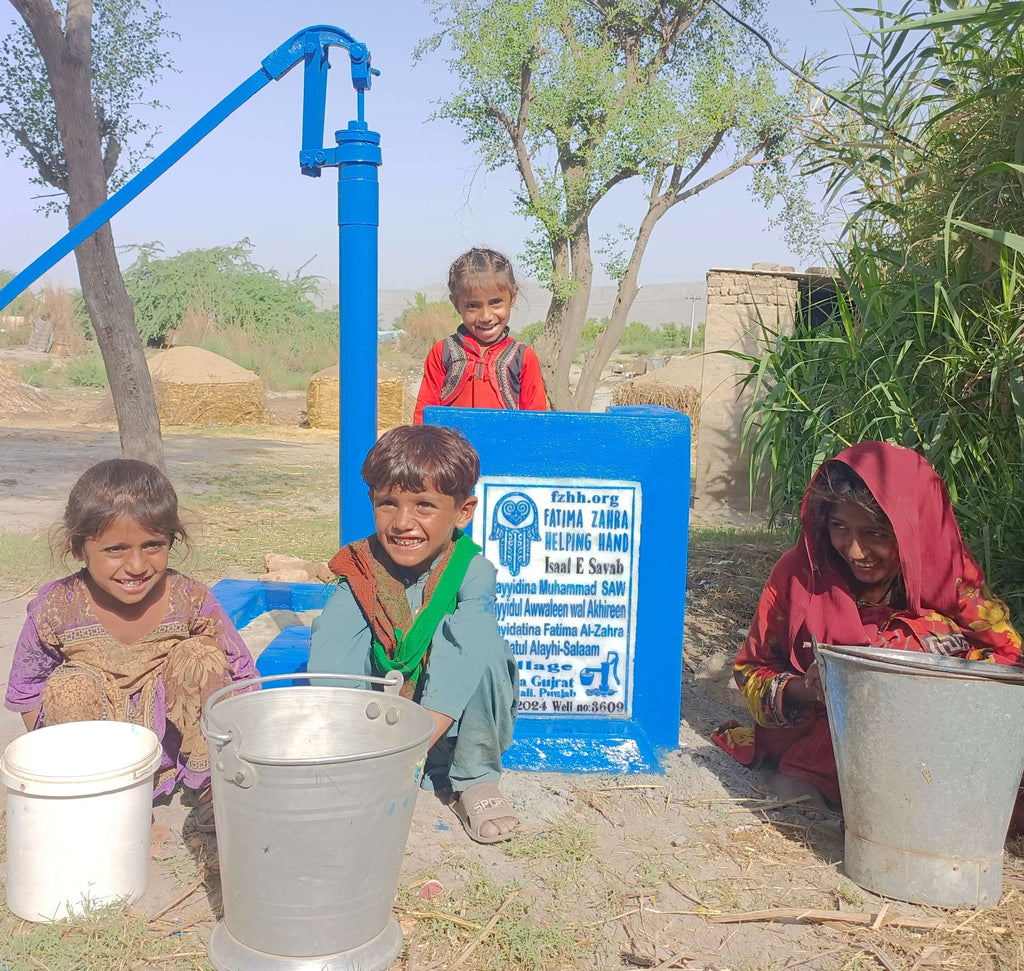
930 752
314 788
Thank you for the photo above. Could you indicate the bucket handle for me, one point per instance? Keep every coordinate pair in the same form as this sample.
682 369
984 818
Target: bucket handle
822 663
391 683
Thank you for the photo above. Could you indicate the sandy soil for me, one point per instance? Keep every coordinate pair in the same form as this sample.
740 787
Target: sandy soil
624 871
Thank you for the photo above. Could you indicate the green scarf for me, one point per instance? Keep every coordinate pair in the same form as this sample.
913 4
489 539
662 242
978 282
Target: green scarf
411 645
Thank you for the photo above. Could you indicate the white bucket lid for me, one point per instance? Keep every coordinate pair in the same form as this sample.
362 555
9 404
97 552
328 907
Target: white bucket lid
79 758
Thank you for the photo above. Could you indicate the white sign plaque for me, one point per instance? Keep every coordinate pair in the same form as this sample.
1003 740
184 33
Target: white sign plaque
567 554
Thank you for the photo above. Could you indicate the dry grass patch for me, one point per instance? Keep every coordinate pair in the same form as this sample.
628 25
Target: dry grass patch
484 926
109 939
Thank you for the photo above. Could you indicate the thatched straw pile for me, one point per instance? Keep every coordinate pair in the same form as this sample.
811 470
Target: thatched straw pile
17 398
649 391
198 387
684 399
323 391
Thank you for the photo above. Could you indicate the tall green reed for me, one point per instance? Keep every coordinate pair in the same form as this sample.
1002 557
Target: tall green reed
925 345
926 361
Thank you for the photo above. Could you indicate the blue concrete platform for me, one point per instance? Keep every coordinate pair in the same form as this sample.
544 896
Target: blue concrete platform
597 745
245 600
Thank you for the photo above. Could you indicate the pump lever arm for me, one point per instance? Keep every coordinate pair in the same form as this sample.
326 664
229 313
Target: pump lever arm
311 44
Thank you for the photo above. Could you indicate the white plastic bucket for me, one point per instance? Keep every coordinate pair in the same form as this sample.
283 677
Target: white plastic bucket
79 806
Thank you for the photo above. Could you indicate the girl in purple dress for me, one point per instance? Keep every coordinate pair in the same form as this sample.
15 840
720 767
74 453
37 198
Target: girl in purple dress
125 638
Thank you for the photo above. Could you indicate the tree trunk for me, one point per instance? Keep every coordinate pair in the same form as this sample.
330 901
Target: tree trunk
68 59
563 327
593 365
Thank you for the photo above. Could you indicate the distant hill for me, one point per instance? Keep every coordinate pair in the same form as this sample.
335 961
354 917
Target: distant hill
656 305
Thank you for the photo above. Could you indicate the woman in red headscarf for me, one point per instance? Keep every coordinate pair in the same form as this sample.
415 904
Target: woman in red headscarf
879 562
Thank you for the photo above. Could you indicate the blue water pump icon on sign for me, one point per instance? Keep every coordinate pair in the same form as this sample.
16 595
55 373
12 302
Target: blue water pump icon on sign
609 668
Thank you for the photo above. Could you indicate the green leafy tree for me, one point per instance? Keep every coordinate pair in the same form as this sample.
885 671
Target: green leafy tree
71 79
15 306
583 96
225 283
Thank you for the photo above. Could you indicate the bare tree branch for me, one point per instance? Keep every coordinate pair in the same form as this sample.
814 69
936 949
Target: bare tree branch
44 163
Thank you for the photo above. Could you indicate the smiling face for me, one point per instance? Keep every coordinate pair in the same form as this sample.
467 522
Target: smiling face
414 527
126 564
485 307
867 546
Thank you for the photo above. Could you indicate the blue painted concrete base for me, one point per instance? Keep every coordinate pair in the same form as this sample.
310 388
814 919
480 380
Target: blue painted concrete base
288 653
585 745
244 600
579 745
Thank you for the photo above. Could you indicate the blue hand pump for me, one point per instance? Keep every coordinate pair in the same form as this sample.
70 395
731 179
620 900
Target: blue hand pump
357 157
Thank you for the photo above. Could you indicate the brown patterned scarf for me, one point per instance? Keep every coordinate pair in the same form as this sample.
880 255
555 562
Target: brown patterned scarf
381 595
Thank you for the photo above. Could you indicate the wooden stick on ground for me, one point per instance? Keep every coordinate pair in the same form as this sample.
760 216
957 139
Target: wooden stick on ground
437 915
622 788
174 903
174 957
609 920
877 922
766 806
828 917
880 957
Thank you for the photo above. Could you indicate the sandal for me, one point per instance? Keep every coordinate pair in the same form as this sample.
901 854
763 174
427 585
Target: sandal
203 815
480 804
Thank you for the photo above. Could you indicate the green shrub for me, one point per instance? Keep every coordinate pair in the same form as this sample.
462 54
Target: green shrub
16 307
87 371
530 332
638 338
592 330
38 374
285 365
925 347
233 290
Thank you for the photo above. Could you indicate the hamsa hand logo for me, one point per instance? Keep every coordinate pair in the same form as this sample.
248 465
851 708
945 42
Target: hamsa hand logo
515 525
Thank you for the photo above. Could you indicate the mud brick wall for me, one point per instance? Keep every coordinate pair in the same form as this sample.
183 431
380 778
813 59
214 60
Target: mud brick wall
740 304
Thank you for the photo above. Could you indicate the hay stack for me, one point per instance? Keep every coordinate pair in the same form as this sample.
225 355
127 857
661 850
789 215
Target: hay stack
198 387
323 391
17 398
652 392
684 399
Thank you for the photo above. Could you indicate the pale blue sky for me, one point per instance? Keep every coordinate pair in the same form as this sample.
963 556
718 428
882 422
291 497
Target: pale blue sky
436 200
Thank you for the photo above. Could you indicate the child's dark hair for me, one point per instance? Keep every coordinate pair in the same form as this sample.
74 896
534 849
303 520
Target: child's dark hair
836 482
476 263
409 456
120 489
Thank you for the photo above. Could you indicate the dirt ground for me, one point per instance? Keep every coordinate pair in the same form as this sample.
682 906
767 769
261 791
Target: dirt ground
695 868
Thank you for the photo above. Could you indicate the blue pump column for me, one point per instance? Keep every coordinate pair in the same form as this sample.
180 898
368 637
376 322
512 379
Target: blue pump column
358 156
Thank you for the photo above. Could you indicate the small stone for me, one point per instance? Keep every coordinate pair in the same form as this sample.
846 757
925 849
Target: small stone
430 889
324 573
288 576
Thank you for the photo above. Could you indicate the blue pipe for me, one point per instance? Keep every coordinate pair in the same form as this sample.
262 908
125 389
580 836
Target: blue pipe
103 213
358 155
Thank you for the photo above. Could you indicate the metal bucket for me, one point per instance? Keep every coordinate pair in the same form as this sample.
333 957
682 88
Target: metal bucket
930 752
314 788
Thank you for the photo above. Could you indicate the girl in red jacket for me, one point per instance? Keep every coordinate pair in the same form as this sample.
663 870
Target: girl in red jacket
481 365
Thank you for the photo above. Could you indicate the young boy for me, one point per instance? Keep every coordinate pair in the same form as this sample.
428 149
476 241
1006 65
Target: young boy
419 597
